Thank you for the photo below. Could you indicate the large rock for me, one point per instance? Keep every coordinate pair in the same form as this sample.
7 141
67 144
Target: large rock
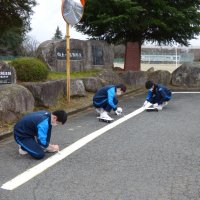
160 76
77 88
15 100
110 77
150 70
136 79
92 84
48 93
84 55
187 75
7 73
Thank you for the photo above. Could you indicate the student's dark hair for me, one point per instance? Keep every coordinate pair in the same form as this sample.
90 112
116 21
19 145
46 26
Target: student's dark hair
121 86
61 116
149 84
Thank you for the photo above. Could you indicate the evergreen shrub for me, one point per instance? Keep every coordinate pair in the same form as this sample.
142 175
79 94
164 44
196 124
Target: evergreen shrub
30 69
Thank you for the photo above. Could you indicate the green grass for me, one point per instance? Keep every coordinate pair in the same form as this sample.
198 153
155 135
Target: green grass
59 75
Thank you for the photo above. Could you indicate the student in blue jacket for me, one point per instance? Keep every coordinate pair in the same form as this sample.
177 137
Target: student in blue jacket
158 95
105 100
33 132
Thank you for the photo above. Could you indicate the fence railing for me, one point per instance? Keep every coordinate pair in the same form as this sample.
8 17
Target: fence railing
160 58
8 58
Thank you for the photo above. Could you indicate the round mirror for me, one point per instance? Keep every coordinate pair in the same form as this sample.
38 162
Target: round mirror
72 11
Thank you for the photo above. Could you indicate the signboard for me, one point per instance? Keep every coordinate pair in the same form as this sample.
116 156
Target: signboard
75 54
5 77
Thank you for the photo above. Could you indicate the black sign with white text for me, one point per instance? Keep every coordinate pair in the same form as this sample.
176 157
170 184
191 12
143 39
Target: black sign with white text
75 54
5 77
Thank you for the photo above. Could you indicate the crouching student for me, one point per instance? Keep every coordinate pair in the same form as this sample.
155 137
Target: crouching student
33 132
106 100
158 95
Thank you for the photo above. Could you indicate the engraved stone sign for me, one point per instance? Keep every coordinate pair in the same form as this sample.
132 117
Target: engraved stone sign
84 54
75 54
7 74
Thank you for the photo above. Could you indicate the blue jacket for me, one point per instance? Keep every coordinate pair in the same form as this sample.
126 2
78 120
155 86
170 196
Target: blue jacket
159 95
107 93
35 124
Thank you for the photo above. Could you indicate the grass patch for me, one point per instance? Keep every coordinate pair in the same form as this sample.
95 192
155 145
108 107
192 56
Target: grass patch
5 127
59 75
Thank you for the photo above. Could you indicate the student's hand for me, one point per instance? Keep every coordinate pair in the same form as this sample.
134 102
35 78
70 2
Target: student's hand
118 111
53 148
145 103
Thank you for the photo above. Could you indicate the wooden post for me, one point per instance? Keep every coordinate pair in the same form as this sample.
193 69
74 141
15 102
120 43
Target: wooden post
68 63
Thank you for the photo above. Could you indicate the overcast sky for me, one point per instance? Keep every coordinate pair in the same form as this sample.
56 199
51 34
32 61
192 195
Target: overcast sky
48 16
45 20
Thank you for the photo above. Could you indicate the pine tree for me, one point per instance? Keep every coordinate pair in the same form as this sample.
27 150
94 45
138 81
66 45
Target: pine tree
58 34
123 21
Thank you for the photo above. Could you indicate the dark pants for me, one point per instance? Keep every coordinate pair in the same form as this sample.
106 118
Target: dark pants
30 145
105 105
157 100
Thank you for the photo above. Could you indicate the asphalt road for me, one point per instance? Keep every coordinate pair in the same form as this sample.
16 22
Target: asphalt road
152 156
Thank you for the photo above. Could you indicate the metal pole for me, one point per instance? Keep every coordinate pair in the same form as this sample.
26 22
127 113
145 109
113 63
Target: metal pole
176 54
68 63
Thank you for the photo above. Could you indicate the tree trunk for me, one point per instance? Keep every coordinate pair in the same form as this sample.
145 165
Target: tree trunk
132 56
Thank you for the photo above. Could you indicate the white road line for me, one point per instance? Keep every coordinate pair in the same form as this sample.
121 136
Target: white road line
185 92
34 171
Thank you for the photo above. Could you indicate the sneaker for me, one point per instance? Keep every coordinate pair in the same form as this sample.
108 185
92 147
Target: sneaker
155 105
21 151
159 107
99 110
165 103
104 115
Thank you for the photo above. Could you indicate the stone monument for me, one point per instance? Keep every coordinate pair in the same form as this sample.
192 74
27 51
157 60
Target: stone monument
84 55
